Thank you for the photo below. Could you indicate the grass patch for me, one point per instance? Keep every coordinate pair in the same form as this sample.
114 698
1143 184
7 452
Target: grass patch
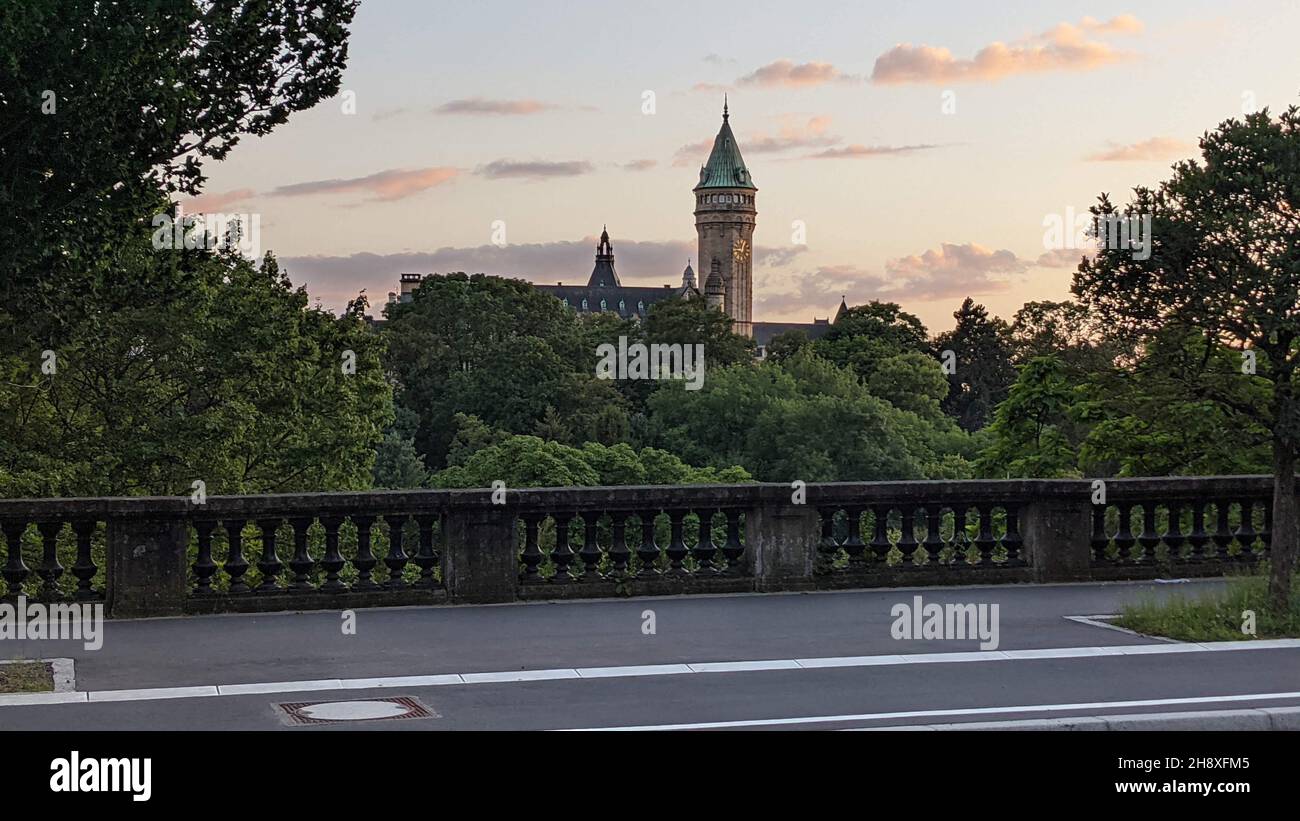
26 677
1215 616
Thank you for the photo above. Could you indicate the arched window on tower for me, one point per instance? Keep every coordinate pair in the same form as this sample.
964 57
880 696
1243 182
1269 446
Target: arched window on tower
602 305
584 304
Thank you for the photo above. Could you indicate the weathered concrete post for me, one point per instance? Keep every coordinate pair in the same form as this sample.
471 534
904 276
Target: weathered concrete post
146 573
781 545
1057 534
480 555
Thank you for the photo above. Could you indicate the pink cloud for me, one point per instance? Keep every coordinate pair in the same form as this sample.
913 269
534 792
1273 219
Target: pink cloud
479 105
217 202
394 184
789 74
1154 149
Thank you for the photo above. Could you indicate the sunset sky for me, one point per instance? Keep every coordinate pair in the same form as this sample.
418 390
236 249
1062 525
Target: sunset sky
532 114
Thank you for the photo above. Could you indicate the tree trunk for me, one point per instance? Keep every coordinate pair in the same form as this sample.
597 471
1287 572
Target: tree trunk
1283 544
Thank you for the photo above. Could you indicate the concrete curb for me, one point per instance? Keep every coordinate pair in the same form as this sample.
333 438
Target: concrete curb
1263 718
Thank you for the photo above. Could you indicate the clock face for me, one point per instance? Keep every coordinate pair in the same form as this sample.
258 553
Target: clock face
740 250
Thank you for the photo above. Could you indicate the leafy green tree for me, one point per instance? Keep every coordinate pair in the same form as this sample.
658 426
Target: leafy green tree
783 346
864 335
983 372
1071 333
397 463
1224 259
1030 432
912 382
691 322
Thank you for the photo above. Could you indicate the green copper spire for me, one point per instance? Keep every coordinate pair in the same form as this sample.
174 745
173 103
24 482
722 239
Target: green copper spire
725 168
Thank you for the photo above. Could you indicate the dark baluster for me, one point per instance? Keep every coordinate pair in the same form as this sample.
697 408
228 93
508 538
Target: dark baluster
1246 532
880 540
827 548
907 542
676 550
647 551
427 558
204 567
15 570
1223 533
85 568
960 539
301 564
50 570
1198 538
985 541
269 563
1012 541
1174 537
532 556
853 544
733 550
1100 541
235 565
562 555
619 554
1124 540
590 553
933 537
396 559
1150 537
365 561
332 561
705 549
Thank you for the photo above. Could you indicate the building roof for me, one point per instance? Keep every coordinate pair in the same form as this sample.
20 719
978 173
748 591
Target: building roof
627 302
604 275
725 168
765 331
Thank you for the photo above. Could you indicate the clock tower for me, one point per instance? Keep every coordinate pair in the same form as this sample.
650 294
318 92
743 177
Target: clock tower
724 224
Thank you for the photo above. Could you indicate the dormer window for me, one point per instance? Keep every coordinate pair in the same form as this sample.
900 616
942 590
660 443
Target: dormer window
584 304
602 305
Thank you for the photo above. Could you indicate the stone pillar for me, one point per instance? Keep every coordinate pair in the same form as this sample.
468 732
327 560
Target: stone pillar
146 573
480 555
1058 539
781 546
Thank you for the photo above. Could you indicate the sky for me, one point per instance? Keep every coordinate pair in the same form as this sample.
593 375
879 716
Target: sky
915 152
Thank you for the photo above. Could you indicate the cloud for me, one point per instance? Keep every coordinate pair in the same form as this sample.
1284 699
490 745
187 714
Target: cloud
789 74
217 202
1154 149
815 292
853 151
533 170
712 87
479 105
394 184
952 270
718 59
639 165
1063 257
808 134
1064 47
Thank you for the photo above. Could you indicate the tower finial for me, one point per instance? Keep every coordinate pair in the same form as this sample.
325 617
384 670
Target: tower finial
724 107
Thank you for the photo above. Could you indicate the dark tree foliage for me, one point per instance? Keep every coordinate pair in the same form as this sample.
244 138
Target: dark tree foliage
982 372
1225 262
864 335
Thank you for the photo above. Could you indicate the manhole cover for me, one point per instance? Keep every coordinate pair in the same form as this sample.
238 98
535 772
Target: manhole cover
338 712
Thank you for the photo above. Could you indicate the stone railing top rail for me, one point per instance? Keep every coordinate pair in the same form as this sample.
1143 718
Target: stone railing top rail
634 497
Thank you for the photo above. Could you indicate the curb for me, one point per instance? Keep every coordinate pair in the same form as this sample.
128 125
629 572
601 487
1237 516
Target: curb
1263 718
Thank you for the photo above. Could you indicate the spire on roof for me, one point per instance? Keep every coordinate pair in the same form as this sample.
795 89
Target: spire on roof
725 115
725 168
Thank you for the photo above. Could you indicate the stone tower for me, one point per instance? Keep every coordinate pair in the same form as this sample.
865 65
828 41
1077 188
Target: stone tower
724 223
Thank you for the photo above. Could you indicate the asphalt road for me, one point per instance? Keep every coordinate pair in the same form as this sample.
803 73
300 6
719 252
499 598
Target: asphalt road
826 660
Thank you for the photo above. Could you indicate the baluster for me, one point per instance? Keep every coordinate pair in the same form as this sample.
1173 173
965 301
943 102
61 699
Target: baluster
332 561
1198 538
1246 532
733 549
1100 541
562 555
365 561
396 559
705 549
50 569
880 540
1012 541
532 556
907 542
1223 534
648 551
85 568
853 544
1124 539
619 554
427 558
235 565
15 570
827 548
204 567
676 551
269 564
1174 537
590 553
933 538
985 541
301 564
960 539
1149 538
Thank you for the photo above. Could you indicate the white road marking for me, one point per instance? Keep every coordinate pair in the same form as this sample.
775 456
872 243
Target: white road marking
633 671
972 711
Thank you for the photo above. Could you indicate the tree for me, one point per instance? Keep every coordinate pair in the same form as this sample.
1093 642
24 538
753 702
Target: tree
983 372
692 322
1071 333
785 345
1030 429
397 463
862 336
1222 257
